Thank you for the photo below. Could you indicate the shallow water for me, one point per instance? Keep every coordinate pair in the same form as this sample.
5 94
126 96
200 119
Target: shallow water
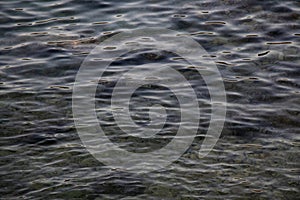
255 45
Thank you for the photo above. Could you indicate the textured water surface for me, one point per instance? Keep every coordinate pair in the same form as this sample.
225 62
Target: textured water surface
255 45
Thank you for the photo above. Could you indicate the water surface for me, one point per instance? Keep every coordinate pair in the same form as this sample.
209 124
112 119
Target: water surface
255 45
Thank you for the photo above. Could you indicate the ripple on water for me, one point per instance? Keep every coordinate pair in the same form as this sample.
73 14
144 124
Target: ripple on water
255 45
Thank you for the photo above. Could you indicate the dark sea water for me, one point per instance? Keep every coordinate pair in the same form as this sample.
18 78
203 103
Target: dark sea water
256 47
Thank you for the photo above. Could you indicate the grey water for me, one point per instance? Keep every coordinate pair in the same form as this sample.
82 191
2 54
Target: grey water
256 47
